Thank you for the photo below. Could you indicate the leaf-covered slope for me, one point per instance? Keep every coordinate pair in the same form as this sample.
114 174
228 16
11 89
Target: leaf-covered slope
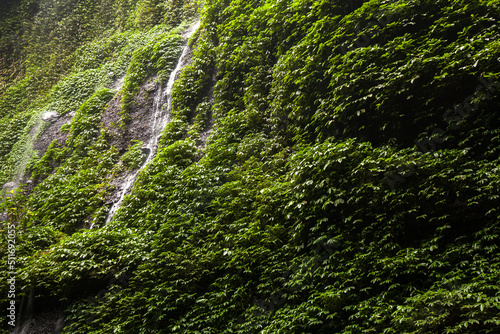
349 183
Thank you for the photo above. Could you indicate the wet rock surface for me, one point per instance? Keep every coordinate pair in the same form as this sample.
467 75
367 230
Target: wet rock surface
50 116
44 323
51 133
141 118
9 186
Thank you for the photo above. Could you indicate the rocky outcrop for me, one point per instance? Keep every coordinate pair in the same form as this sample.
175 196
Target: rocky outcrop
50 116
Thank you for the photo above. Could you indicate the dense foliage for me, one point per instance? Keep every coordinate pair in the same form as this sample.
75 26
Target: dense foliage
349 182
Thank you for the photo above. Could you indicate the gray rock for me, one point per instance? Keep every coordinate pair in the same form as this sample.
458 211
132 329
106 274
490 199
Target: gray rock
9 186
150 87
50 116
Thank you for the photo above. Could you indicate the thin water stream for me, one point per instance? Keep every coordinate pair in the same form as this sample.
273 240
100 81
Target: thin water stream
161 116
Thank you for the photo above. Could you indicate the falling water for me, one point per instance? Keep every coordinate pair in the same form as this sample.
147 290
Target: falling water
161 116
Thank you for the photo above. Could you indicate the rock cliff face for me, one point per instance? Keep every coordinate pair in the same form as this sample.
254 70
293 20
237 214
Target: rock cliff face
171 166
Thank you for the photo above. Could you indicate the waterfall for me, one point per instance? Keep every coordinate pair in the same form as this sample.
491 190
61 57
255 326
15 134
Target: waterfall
161 116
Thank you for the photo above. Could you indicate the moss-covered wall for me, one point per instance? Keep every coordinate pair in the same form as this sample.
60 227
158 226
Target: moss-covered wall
349 182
